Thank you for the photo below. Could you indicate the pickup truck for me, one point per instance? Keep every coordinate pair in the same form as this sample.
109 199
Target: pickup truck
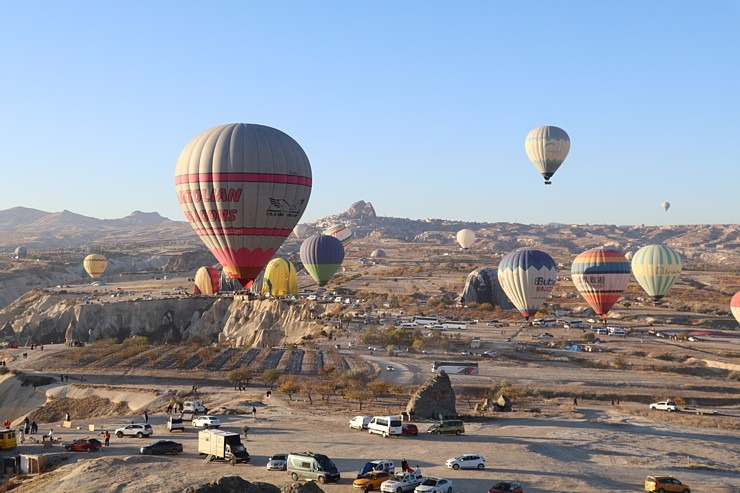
665 406
402 482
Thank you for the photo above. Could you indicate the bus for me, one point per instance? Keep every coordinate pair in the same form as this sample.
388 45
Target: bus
425 320
455 367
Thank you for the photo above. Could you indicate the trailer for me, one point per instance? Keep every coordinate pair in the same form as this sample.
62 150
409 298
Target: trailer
224 445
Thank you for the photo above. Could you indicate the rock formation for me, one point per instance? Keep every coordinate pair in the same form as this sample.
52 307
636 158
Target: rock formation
433 399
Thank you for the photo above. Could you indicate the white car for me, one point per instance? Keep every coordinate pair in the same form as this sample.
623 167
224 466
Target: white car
466 461
360 422
390 368
139 430
277 462
206 422
665 406
434 485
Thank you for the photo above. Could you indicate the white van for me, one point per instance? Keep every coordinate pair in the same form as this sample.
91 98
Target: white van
385 425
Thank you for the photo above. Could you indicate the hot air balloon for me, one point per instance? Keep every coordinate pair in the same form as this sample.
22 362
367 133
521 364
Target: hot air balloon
207 280
300 230
547 148
656 268
243 187
482 286
95 264
629 255
341 233
527 277
666 206
601 275
735 306
21 252
379 253
465 238
322 256
280 278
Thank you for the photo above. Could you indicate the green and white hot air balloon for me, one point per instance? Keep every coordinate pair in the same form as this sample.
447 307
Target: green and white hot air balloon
656 268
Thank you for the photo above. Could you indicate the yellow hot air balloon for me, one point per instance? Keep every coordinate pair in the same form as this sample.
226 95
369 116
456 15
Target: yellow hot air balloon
280 278
95 264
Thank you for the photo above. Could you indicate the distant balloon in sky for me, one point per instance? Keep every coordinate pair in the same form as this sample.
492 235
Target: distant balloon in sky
95 265
601 275
665 206
21 252
735 306
243 187
656 268
322 255
547 147
280 278
527 277
341 233
300 230
465 238
207 280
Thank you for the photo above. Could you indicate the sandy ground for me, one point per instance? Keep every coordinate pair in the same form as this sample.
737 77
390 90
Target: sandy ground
590 448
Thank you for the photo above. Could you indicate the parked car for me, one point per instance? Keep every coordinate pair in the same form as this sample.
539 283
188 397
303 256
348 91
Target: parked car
447 427
506 487
390 368
206 422
371 480
434 485
360 422
409 429
277 462
386 465
175 423
138 430
667 484
466 461
665 406
84 445
162 447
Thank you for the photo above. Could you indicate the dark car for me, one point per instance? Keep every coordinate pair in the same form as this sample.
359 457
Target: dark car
409 429
162 447
84 445
506 487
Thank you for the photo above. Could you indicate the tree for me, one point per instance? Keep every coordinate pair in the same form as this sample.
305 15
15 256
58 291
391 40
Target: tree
307 389
589 337
326 389
358 395
240 377
378 388
270 377
289 386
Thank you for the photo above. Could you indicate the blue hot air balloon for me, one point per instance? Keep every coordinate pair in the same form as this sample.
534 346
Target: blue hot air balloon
322 255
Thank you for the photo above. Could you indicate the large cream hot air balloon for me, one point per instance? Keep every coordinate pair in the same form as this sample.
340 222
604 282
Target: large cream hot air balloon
95 265
243 187
465 238
300 230
527 277
656 268
547 148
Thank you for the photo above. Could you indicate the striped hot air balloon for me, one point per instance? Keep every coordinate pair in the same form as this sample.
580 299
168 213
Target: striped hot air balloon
243 187
601 275
95 265
527 277
341 233
547 147
207 280
656 268
322 256
735 306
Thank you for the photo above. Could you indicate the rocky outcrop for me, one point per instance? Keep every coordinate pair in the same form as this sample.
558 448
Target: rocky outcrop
434 399
231 484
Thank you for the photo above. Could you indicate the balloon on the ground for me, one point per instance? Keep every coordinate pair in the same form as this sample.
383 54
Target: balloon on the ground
666 206
341 233
243 187
207 280
735 306
601 275
300 230
322 256
21 252
547 147
280 278
465 238
482 286
95 265
527 277
656 268
629 255
379 253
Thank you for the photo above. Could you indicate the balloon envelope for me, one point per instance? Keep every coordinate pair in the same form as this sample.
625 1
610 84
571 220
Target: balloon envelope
482 286
547 148
465 238
95 264
527 277
666 206
735 306
21 252
601 275
300 230
207 280
280 278
341 233
243 187
379 253
322 256
656 268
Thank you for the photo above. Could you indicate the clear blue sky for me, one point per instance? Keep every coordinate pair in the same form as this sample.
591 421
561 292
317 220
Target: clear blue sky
420 107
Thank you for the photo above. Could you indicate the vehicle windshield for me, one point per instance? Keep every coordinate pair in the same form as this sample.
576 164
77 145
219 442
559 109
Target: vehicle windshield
325 462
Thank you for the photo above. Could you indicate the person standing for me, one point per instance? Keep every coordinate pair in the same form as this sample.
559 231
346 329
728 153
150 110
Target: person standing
34 428
146 417
66 417
106 437
254 412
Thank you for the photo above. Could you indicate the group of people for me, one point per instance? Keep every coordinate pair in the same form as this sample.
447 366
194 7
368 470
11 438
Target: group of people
29 427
